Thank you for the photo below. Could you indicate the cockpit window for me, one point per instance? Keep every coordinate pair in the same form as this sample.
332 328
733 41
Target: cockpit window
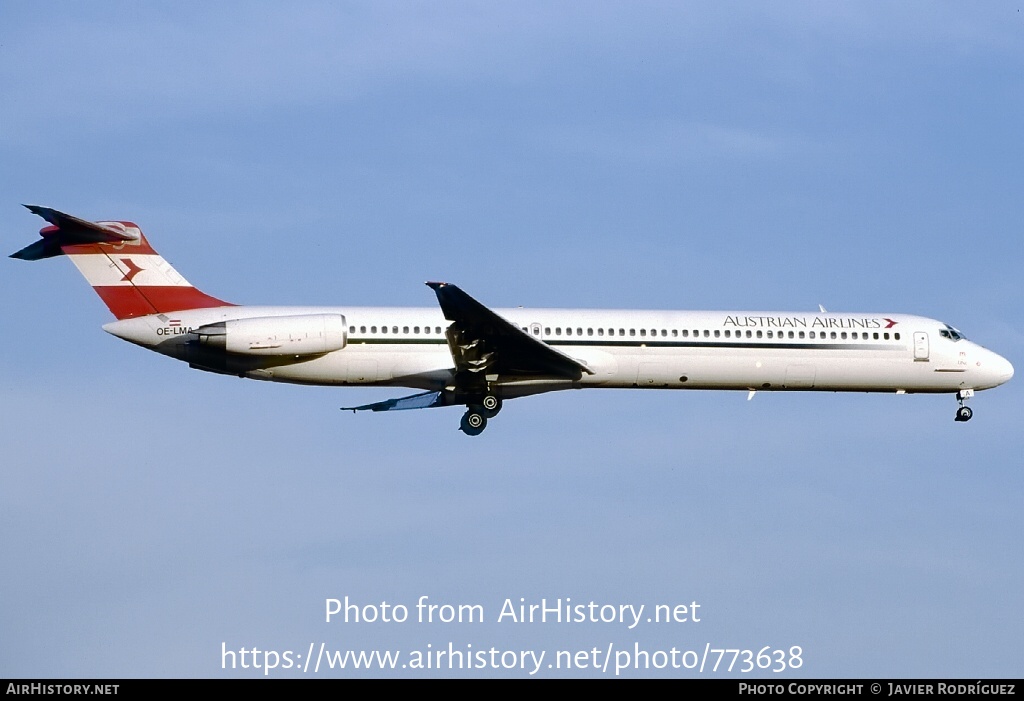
952 334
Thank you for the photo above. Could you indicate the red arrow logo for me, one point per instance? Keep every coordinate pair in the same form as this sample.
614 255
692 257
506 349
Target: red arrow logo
133 270
891 322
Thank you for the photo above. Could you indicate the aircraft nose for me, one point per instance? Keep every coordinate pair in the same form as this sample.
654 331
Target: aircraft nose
997 369
1003 369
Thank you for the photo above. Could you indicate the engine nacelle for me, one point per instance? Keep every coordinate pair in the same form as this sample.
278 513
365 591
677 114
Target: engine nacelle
308 334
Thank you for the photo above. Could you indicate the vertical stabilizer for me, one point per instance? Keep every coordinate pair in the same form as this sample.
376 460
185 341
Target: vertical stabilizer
130 277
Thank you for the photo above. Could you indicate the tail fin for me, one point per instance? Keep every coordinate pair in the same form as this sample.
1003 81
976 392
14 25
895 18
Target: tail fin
129 276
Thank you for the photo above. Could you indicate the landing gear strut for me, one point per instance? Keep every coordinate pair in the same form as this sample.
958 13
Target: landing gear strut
964 413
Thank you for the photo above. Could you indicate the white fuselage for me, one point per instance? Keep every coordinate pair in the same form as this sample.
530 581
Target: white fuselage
623 348
462 352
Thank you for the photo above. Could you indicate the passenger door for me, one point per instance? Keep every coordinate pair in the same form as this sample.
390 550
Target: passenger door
921 346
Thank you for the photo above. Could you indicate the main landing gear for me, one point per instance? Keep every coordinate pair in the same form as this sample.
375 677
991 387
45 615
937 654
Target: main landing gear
964 413
474 421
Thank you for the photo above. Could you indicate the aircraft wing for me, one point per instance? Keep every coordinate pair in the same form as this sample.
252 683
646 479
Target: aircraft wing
483 343
423 400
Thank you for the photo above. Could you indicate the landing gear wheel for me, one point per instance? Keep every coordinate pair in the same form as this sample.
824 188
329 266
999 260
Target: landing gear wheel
473 422
964 413
491 405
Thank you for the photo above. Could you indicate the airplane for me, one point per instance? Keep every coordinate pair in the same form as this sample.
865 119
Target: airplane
463 353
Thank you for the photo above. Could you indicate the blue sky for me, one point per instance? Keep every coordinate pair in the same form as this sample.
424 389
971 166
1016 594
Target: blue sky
637 155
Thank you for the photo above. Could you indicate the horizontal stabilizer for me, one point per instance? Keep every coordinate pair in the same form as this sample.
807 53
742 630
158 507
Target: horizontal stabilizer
68 231
38 250
424 400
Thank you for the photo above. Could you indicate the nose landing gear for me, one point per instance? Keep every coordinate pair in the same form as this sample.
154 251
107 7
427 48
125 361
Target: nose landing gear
964 413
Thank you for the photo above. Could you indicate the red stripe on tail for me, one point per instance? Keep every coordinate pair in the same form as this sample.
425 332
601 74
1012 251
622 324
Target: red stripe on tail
127 302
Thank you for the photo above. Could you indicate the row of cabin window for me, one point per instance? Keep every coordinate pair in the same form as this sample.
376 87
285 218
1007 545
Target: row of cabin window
675 333
394 329
729 333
